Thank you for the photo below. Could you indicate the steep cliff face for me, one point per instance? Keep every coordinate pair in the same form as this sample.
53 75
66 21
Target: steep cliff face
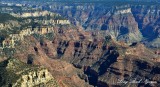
123 27
147 18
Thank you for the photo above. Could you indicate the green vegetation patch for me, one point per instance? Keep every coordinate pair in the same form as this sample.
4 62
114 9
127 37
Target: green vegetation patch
5 17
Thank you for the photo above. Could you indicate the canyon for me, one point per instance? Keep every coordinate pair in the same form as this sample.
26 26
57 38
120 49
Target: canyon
125 22
60 44
99 62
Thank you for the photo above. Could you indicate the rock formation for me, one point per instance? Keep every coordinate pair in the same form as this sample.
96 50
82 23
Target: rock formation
17 74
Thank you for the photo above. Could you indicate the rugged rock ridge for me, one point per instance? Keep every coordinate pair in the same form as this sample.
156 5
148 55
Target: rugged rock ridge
51 18
34 14
21 22
13 19
15 73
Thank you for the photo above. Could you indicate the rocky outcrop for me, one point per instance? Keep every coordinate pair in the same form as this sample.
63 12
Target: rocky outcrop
124 11
34 14
15 73
9 24
9 42
50 18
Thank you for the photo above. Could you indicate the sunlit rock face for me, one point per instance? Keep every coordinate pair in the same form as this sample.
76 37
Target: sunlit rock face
35 78
33 14
15 73
124 11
